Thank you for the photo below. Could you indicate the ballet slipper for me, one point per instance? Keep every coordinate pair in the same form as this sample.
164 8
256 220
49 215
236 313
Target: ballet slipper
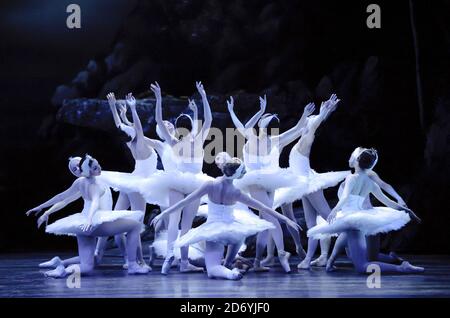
305 264
58 272
167 264
283 257
321 261
269 261
53 263
186 267
136 269
408 268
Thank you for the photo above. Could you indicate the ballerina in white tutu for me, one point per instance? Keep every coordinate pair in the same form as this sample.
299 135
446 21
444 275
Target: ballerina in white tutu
222 227
309 187
93 221
264 176
350 217
105 203
372 241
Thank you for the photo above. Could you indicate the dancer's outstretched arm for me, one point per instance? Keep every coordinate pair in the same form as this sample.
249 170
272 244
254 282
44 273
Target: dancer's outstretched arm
254 120
197 194
376 191
295 132
206 112
123 114
158 114
112 105
69 193
56 207
247 200
387 187
326 109
244 131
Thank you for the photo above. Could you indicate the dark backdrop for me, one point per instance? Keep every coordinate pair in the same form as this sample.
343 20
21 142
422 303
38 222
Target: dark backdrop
295 51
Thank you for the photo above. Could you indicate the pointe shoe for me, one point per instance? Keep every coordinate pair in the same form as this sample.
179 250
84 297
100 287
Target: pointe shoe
268 261
257 267
235 274
136 269
144 265
53 263
408 268
330 267
321 261
167 264
283 257
186 267
58 272
305 264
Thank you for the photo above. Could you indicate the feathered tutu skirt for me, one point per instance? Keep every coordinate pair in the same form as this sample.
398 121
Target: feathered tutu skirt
71 225
156 188
225 226
368 222
304 185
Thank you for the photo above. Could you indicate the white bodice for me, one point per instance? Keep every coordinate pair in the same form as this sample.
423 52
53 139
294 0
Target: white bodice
167 158
261 162
146 167
220 213
354 202
299 163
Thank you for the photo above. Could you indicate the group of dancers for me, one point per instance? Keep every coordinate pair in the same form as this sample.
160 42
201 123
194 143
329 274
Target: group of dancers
183 191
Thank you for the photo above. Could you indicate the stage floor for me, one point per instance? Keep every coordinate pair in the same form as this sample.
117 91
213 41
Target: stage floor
20 277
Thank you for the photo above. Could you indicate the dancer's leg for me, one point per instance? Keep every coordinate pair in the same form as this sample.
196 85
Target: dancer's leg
310 217
356 242
288 211
232 251
100 249
213 259
373 251
138 203
123 203
187 218
172 231
339 246
321 261
276 233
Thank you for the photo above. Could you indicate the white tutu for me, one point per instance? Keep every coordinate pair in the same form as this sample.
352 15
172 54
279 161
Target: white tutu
307 180
223 227
368 221
71 225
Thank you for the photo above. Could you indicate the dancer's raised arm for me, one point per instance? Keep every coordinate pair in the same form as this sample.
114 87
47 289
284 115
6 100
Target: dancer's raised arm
194 108
243 130
123 113
197 194
131 102
326 109
112 105
254 120
247 200
158 114
69 193
295 132
206 111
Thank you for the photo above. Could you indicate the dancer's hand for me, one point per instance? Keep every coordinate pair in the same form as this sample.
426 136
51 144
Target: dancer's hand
43 218
332 216
200 89
36 210
122 108
294 225
309 109
155 221
156 89
263 103
230 104
412 215
111 99
131 101
192 105
87 226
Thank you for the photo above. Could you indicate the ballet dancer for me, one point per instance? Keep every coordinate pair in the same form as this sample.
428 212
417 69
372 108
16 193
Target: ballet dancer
309 187
356 222
93 221
264 176
372 241
222 226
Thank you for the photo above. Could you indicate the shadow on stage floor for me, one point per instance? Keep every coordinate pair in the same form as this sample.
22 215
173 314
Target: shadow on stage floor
21 277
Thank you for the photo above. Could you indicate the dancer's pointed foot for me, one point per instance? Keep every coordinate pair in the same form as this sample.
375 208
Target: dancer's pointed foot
283 257
408 268
167 264
321 261
269 261
397 258
58 272
53 263
330 267
305 264
257 267
136 269
186 267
